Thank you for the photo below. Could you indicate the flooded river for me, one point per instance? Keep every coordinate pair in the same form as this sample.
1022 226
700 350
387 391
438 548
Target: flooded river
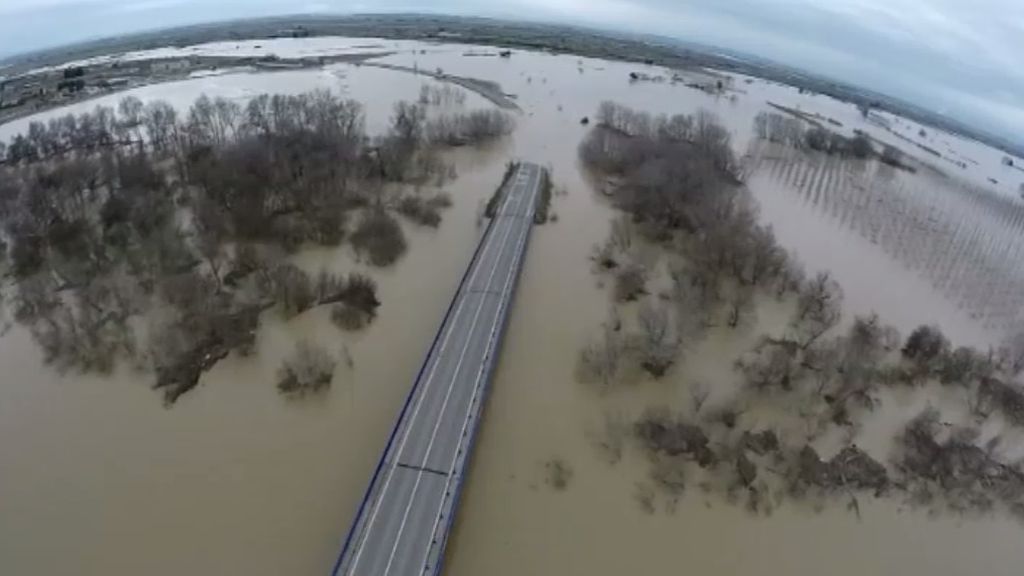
97 477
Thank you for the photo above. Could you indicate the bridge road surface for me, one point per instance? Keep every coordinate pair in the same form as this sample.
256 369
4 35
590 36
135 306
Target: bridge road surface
402 526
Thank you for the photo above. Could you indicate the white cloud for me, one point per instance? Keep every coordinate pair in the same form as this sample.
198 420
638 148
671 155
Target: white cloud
315 7
146 5
13 7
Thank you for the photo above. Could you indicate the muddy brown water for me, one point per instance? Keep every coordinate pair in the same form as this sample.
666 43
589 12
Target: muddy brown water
96 477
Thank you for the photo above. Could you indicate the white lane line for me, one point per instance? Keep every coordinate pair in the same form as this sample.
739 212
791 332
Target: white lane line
423 393
447 396
490 344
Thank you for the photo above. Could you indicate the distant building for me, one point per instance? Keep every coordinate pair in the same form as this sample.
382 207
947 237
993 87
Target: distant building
297 32
35 90
170 66
112 83
878 120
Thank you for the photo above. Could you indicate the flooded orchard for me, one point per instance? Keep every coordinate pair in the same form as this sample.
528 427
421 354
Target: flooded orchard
100 477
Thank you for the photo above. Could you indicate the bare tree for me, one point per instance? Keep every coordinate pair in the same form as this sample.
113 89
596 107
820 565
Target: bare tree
866 341
159 118
620 237
600 360
658 346
227 116
861 146
817 139
892 155
678 127
925 346
772 364
130 110
767 260
699 393
474 128
211 232
294 289
964 366
36 297
714 140
818 308
791 278
630 283
740 307
310 369
1012 354
408 123
22 150
380 237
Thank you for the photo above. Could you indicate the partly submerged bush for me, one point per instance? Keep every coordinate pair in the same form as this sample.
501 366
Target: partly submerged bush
310 369
380 237
419 210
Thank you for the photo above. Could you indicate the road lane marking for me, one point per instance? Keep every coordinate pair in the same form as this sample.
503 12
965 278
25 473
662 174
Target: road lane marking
422 469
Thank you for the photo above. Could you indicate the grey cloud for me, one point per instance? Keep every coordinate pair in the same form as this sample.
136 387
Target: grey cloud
958 58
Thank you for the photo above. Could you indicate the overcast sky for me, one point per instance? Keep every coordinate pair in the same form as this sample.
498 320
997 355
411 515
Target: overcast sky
960 57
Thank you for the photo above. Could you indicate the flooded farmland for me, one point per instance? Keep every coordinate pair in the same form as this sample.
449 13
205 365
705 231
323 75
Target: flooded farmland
99 477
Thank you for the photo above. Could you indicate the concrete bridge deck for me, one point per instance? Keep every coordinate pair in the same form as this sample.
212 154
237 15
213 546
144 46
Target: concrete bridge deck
402 525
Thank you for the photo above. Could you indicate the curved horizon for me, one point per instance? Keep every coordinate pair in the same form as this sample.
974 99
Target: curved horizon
954 60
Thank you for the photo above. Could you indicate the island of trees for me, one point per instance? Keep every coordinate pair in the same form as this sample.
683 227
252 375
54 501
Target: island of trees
156 238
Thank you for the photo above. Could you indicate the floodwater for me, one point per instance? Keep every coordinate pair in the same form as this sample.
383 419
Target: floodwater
365 84
962 244
281 47
96 477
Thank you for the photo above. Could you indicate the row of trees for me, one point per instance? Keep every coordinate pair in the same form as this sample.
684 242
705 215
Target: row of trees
964 240
628 138
790 131
441 95
477 127
86 132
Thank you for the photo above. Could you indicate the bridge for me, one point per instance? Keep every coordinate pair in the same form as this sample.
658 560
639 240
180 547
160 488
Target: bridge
403 522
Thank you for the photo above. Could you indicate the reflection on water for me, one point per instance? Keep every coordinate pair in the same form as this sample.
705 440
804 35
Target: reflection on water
99 478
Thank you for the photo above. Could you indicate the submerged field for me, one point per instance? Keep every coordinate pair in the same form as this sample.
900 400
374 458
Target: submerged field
236 478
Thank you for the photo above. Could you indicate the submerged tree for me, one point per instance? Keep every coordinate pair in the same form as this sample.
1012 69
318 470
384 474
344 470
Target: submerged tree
657 345
925 345
601 360
380 237
310 369
818 308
